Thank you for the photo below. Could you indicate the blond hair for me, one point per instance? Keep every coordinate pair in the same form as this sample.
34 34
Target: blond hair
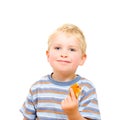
72 30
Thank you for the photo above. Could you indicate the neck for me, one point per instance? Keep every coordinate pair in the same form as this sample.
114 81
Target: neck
63 77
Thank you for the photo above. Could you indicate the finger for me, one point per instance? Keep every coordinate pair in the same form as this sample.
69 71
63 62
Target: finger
73 97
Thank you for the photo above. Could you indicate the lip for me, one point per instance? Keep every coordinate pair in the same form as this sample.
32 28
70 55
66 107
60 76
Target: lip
64 61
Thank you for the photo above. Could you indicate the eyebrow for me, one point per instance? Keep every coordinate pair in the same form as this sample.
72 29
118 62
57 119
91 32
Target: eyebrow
73 46
68 45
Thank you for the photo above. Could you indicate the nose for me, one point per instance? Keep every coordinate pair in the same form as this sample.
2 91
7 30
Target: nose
64 54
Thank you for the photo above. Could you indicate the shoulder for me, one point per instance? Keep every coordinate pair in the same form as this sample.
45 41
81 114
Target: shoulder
40 83
86 81
43 79
86 84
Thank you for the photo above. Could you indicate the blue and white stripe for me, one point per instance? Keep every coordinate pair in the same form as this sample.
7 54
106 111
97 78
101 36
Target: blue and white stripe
45 96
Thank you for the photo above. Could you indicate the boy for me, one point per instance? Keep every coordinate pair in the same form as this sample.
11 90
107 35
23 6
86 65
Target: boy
51 98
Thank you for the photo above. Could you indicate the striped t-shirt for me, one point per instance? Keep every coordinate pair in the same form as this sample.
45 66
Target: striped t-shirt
44 99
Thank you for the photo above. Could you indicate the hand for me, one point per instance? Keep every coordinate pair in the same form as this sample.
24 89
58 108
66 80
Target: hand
70 104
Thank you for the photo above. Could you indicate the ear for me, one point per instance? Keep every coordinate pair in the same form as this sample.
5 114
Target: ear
47 54
83 58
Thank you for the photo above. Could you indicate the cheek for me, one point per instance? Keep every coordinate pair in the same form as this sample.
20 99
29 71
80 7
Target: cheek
52 56
76 60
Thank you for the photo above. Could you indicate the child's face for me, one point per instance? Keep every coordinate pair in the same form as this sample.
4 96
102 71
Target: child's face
64 54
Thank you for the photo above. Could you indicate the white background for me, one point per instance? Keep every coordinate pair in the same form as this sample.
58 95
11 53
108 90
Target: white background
24 29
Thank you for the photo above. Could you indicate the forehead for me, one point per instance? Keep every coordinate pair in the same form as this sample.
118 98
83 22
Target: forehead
63 38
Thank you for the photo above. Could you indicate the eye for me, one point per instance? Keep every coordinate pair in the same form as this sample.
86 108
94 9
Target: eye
57 48
72 49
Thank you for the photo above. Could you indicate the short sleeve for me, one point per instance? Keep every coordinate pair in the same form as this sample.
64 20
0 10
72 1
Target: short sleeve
89 104
28 108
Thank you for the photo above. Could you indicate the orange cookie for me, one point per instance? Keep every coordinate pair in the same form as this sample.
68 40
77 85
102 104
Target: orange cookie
76 89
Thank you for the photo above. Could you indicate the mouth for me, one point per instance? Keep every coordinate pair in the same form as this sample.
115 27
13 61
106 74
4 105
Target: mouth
64 61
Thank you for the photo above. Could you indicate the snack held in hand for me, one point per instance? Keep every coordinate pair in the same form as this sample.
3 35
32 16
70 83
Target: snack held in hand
76 89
